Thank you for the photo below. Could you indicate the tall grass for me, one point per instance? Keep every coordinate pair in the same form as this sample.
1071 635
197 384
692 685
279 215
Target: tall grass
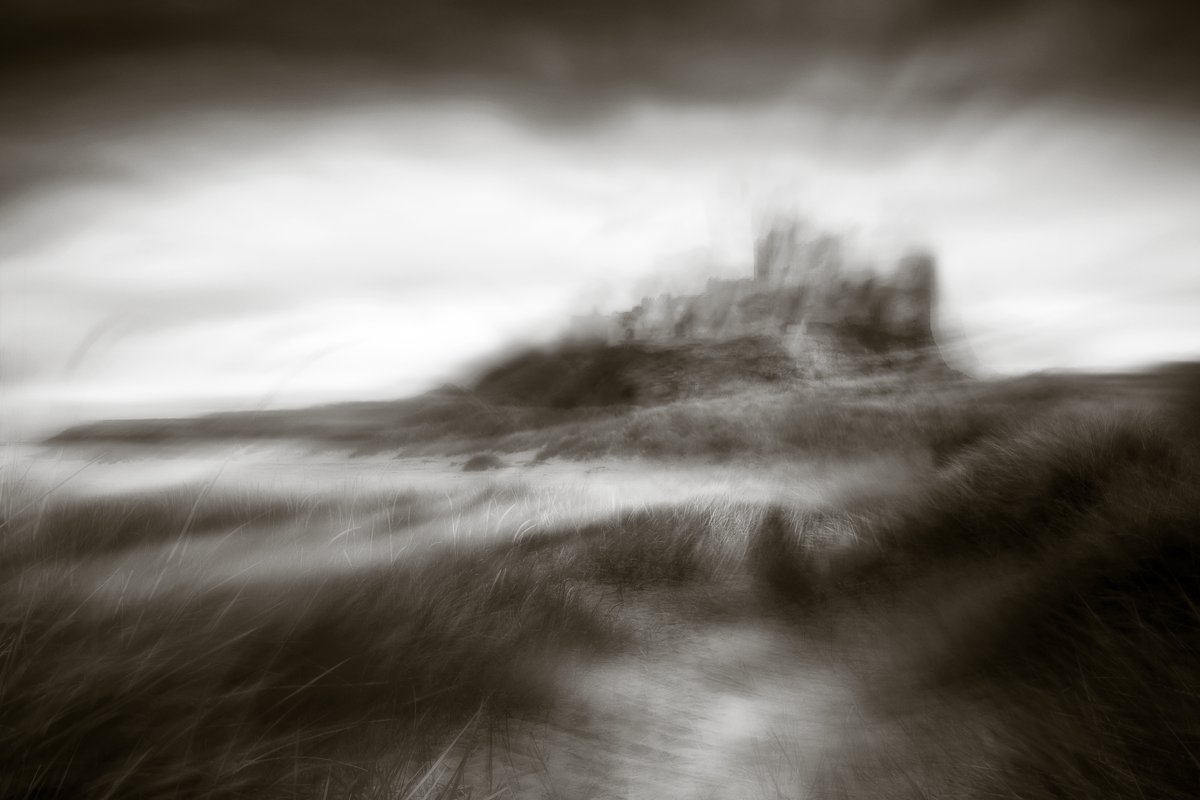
37 529
855 418
1050 575
253 688
1047 577
279 686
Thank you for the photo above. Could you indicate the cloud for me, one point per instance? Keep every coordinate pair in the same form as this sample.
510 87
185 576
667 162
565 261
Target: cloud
76 74
729 46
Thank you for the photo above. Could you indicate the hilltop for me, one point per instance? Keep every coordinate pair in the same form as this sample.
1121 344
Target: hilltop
592 373
812 310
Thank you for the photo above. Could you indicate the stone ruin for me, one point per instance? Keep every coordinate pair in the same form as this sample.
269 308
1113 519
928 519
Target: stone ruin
810 291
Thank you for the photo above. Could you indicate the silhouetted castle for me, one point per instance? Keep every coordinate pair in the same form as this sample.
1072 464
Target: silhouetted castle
808 291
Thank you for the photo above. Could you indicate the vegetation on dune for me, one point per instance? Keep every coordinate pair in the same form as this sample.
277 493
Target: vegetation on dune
1051 574
259 689
274 687
592 374
1046 575
1021 494
850 418
38 529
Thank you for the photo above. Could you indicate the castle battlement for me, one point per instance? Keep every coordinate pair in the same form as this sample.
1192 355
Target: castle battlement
804 286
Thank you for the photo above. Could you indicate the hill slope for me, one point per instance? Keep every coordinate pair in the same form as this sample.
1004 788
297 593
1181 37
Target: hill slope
595 374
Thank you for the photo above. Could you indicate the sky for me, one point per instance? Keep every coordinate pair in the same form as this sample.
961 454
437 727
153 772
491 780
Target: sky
213 204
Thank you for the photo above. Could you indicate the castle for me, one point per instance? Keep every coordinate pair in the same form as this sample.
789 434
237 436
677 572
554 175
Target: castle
807 290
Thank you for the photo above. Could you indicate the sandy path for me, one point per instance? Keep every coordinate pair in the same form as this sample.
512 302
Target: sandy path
716 708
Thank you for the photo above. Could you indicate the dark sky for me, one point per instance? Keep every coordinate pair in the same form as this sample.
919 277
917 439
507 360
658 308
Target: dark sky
1102 48
329 180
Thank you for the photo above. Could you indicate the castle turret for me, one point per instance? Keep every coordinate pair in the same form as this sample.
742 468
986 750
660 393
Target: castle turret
773 251
910 312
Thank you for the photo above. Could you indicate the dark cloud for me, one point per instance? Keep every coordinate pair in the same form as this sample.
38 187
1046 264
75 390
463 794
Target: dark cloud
726 47
77 72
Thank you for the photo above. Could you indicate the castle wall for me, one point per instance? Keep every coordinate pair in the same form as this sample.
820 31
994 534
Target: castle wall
802 290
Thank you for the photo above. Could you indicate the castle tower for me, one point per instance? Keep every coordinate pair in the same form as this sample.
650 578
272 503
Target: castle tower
773 252
915 286
785 254
793 254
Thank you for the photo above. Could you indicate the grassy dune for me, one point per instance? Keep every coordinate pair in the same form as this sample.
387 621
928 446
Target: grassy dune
1018 618
1052 576
782 419
267 684
306 682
